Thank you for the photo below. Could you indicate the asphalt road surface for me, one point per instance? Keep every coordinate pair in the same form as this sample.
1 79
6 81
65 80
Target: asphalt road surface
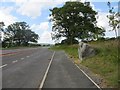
63 73
27 68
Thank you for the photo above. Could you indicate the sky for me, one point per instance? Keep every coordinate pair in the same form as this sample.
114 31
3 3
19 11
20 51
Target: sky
36 14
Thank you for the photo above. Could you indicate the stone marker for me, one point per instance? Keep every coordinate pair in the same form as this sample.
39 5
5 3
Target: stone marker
85 50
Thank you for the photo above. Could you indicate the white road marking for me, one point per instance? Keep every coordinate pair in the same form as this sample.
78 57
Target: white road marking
85 74
15 61
3 65
45 75
22 58
27 56
88 77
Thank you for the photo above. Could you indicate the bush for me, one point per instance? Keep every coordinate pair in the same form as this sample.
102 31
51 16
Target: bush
66 41
101 39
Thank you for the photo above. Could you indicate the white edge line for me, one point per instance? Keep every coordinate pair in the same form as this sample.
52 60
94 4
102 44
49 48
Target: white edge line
3 65
22 58
15 61
45 75
27 56
85 74
88 77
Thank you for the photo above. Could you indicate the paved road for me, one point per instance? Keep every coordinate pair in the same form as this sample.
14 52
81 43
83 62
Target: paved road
64 74
26 69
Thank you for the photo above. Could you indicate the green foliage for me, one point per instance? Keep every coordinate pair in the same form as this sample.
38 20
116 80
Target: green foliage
106 61
66 41
17 34
72 50
1 26
75 20
1 30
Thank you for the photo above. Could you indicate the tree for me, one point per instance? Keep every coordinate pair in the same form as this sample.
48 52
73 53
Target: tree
74 20
29 36
1 29
1 26
114 20
19 33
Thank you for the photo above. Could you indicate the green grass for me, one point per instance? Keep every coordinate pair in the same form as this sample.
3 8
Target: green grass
72 50
105 63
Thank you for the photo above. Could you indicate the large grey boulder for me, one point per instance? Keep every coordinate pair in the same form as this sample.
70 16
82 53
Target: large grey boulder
85 50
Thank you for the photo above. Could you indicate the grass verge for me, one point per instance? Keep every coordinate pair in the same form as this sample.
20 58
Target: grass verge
105 63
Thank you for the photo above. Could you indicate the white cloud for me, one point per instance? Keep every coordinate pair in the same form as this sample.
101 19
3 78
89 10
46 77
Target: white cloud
43 30
30 8
33 8
35 27
44 25
5 15
104 22
6 10
40 27
45 37
19 1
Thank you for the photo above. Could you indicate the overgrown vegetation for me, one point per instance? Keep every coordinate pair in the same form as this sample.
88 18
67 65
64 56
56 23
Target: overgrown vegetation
105 63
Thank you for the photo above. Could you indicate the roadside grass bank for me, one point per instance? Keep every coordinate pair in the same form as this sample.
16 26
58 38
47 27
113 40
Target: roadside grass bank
105 63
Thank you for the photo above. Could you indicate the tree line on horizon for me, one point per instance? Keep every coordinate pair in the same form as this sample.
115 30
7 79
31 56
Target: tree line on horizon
18 34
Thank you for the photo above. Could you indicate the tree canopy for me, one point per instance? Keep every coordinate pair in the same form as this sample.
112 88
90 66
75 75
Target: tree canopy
74 20
1 29
19 33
